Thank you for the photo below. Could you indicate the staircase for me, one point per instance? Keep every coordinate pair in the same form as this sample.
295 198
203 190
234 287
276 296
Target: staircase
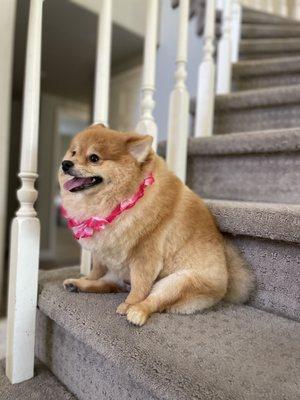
250 179
249 175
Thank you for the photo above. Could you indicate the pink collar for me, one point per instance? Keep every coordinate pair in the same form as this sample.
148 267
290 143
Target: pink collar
86 228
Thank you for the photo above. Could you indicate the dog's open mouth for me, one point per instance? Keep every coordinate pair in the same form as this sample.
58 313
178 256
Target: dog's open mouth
77 184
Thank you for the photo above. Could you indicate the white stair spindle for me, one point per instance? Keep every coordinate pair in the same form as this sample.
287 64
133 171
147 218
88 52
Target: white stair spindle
236 30
206 76
25 233
269 6
7 28
296 10
257 4
178 123
224 66
101 89
146 124
283 8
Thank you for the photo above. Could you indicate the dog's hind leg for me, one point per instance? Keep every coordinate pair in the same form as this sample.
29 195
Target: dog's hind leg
184 291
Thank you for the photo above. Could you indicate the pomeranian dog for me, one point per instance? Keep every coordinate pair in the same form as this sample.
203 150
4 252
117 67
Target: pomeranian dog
149 234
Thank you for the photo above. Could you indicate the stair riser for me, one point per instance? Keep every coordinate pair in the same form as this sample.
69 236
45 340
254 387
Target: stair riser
255 119
265 81
272 177
277 269
261 32
84 372
258 17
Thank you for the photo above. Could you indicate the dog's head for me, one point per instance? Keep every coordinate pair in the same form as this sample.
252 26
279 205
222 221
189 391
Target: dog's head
103 162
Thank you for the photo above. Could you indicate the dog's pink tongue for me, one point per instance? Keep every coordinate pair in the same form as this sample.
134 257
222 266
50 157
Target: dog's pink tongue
74 183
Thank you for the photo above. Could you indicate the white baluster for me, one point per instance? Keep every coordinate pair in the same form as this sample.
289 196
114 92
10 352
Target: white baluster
296 9
283 8
224 52
269 6
7 27
206 76
257 4
146 124
101 89
178 123
236 30
25 233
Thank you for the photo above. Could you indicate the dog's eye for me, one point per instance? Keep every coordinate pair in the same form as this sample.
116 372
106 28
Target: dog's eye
94 158
73 153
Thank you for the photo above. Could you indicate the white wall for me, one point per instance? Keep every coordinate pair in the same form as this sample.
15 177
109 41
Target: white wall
166 57
130 14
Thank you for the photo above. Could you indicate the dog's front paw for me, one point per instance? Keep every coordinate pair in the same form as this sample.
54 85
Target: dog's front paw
123 309
70 285
137 315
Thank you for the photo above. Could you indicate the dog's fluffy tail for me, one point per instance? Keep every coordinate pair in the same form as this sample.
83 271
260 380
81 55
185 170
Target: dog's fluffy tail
241 280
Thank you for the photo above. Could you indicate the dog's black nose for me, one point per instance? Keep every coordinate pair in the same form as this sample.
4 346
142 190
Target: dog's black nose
66 165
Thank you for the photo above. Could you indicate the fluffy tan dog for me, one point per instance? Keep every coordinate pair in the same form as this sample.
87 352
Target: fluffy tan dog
166 249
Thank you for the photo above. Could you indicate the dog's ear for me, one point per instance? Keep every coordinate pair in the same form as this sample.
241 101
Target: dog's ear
139 146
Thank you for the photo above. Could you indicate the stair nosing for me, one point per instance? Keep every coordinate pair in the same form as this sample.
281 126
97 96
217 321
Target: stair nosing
260 142
264 97
249 68
277 19
254 219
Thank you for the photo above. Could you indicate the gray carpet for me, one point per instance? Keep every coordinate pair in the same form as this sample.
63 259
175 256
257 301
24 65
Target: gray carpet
233 352
44 386
272 45
251 16
254 166
258 98
257 74
271 221
251 31
256 110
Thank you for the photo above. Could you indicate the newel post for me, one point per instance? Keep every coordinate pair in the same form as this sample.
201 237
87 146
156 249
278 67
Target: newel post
224 51
25 231
101 89
7 30
206 76
178 123
146 124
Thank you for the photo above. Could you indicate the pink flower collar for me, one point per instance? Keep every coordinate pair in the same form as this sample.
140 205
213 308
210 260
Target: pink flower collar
86 228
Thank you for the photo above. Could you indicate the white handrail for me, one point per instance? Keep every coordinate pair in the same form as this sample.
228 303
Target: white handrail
206 76
178 123
101 89
147 124
25 233
224 51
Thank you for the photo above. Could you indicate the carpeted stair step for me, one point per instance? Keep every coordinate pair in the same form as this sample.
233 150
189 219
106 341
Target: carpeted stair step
264 31
229 353
256 110
269 236
44 386
257 74
251 16
256 166
252 49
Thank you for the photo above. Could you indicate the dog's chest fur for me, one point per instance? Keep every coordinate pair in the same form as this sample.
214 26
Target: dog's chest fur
112 246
